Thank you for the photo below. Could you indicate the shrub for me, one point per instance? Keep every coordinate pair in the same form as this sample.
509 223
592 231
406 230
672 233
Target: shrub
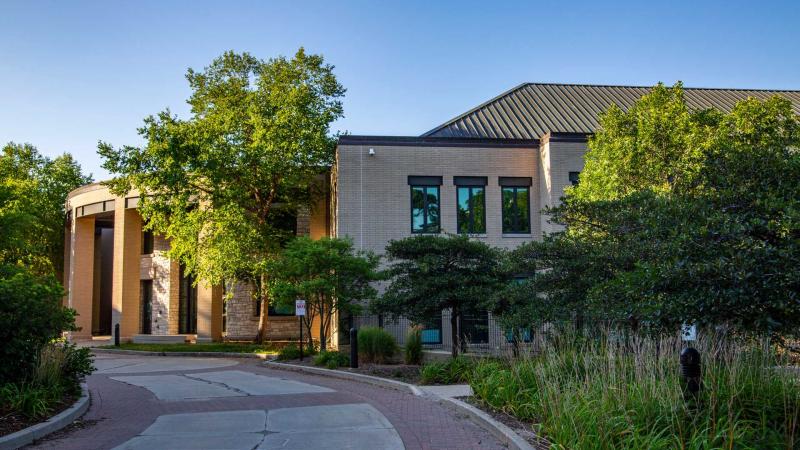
608 393
32 401
331 360
376 345
413 348
452 371
31 315
292 351
57 374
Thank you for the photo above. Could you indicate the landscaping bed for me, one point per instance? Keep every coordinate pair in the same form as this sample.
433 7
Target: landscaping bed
211 347
400 372
523 429
12 421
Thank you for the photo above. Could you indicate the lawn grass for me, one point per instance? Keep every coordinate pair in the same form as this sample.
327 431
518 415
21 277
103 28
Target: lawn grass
223 347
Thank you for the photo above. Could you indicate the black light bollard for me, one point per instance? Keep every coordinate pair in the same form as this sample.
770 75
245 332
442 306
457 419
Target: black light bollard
354 348
690 371
116 335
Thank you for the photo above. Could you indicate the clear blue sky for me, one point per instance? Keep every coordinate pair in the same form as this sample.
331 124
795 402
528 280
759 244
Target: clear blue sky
73 73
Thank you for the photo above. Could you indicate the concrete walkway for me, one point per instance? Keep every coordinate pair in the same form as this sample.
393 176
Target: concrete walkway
157 402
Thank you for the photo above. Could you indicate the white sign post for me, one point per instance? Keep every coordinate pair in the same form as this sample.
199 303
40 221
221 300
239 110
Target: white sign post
689 332
299 311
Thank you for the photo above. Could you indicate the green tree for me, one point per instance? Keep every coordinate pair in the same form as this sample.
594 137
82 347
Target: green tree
328 274
683 216
430 274
33 192
224 185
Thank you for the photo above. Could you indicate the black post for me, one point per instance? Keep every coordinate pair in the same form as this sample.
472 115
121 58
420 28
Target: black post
116 335
301 338
354 348
690 371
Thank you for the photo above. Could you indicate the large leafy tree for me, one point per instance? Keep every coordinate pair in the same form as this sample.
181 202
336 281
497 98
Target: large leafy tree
33 191
429 274
683 216
328 274
224 184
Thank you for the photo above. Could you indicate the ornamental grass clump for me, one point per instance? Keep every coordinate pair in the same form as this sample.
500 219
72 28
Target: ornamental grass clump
376 345
626 393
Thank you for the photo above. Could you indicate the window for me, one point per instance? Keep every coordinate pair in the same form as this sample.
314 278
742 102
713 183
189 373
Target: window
471 198
432 330
515 193
574 178
147 242
146 300
425 204
283 309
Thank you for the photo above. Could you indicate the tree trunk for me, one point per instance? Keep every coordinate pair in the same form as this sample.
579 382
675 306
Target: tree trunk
261 336
454 335
322 339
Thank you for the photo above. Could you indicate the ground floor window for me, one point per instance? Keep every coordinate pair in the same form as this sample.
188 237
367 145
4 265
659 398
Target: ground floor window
475 328
146 297
187 304
432 331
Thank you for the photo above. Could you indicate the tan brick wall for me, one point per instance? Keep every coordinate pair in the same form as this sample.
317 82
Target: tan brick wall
127 270
209 312
81 270
373 196
558 158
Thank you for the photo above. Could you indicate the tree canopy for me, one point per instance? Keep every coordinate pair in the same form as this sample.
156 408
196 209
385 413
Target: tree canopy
431 273
682 216
225 184
33 192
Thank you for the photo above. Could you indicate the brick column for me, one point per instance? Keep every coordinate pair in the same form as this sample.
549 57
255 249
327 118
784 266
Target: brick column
127 261
209 313
81 274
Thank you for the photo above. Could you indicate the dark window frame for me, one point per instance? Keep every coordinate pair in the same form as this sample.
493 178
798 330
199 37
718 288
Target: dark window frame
148 242
471 226
425 225
574 177
515 207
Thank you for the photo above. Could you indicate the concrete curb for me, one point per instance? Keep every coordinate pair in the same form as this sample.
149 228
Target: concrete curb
369 379
53 424
113 351
503 433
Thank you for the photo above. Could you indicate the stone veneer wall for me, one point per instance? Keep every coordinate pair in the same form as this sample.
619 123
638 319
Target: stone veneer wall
165 276
240 307
242 323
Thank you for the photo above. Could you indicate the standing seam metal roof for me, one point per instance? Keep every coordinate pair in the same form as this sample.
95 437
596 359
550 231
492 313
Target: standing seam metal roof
531 110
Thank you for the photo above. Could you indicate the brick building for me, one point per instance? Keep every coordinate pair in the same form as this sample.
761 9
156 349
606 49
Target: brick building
488 173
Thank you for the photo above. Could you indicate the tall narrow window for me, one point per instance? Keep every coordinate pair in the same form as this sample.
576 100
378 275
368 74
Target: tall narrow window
516 204
146 294
471 198
425 204
147 242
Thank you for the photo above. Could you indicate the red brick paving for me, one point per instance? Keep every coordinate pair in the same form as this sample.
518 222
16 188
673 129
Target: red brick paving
122 411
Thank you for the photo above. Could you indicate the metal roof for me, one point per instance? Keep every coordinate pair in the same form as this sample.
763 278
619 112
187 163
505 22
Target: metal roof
531 110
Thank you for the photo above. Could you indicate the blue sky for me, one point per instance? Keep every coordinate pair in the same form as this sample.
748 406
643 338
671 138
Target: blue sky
73 73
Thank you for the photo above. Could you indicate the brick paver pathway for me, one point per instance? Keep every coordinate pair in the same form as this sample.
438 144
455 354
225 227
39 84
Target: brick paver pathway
120 411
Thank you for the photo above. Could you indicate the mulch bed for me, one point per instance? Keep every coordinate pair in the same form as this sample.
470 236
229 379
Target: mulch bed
525 430
400 372
13 421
